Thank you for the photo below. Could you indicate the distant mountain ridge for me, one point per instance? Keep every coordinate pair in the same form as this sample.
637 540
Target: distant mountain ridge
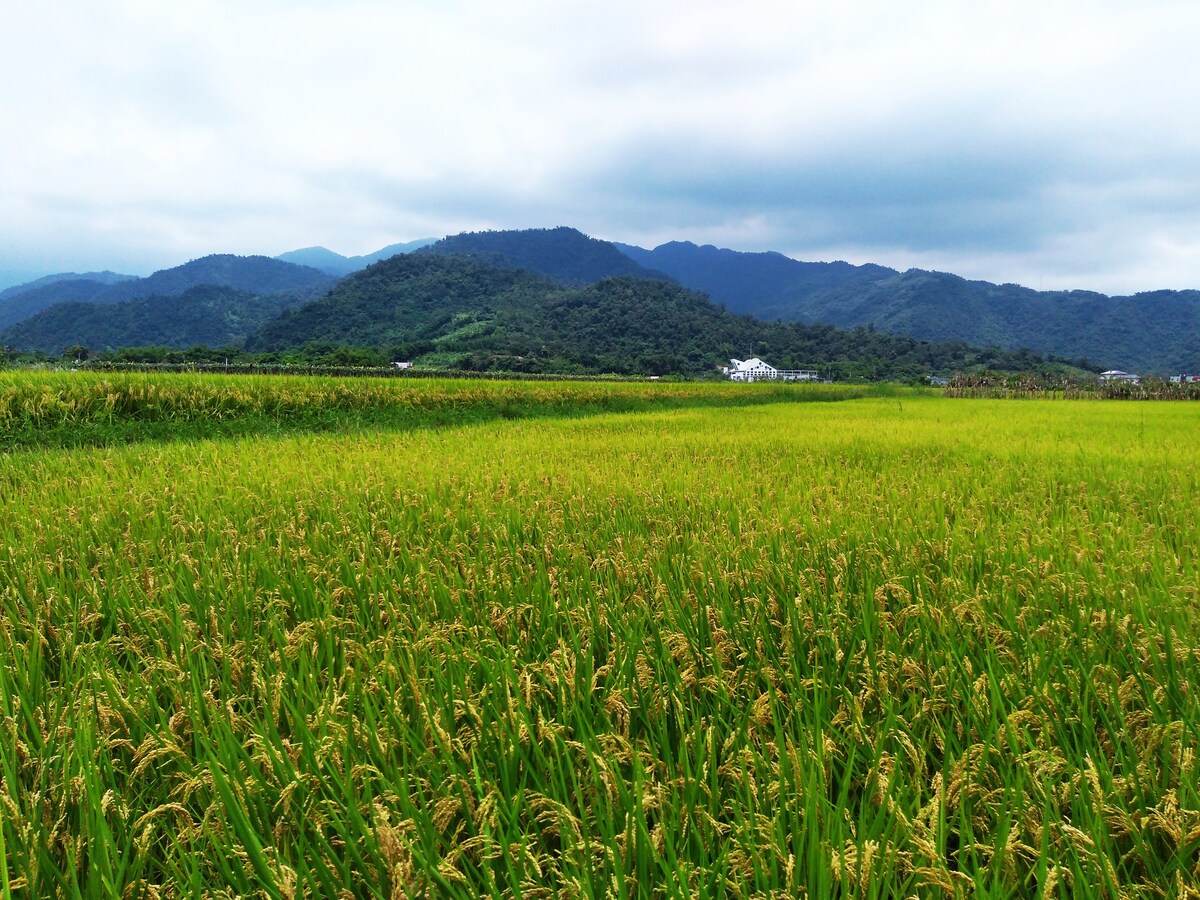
754 283
1152 332
106 278
1157 331
19 306
454 309
211 315
257 275
24 300
564 254
252 274
335 264
222 298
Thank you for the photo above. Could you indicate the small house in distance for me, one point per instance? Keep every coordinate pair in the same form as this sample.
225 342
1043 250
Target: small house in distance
402 365
757 370
1118 375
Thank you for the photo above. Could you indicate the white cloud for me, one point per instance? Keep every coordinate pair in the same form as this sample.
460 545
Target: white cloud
1046 142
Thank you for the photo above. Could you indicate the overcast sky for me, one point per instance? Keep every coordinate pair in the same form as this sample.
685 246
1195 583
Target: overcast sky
1054 144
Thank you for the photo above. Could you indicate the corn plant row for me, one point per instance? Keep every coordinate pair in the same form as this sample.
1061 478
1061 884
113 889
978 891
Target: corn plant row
1033 386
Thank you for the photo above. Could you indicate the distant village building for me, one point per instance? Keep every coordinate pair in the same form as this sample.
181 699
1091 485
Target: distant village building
1186 379
1118 375
402 365
757 370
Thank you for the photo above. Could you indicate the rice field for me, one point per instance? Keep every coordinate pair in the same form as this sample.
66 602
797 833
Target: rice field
87 408
889 646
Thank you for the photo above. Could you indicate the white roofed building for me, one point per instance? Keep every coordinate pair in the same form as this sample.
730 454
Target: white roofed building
757 370
751 370
1118 375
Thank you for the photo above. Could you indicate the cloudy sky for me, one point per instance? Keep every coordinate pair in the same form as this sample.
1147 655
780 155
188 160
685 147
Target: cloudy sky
1054 144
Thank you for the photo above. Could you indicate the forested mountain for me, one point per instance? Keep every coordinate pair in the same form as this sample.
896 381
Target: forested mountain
18 306
460 311
104 277
1156 332
564 254
756 283
335 264
1153 332
392 250
23 300
251 274
320 258
212 315
258 275
406 303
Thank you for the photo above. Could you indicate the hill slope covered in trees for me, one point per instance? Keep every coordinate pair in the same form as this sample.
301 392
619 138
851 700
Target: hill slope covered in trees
250 274
211 315
454 310
564 254
258 275
753 283
1156 332
20 306
1150 332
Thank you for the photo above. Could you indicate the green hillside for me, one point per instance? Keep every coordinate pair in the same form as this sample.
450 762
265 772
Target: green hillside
458 311
564 254
489 320
251 274
258 275
211 315
106 278
406 303
754 283
1150 332
21 305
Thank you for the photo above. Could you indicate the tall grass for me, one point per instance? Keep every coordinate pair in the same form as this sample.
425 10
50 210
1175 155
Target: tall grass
890 647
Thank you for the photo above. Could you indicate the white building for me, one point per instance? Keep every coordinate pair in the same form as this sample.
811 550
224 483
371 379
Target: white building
1118 375
757 370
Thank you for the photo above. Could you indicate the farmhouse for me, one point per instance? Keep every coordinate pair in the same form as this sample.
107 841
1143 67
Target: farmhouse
1118 375
757 370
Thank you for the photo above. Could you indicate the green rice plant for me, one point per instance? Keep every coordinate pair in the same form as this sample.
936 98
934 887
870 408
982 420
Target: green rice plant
87 408
891 646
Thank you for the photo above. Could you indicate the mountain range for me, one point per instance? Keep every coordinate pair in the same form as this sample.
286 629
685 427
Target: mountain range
208 314
332 263
261 304
24 300
460 311
563 254
1157 331
255 275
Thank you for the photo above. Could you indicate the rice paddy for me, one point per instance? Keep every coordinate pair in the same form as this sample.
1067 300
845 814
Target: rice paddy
726 645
